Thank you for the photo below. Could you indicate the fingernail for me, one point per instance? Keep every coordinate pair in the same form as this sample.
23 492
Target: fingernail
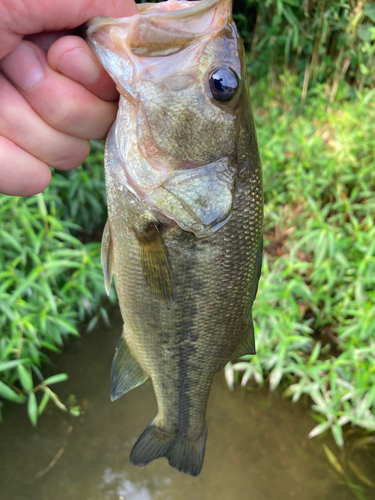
23 67
79 66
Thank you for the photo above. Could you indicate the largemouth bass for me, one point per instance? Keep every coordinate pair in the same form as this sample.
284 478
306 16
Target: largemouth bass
185 212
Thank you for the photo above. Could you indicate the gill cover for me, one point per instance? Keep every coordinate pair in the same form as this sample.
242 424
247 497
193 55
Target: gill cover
160 61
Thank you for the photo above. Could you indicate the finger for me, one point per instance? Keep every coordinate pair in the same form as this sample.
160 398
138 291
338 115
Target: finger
62 103
23 126
45 40
21 174
71 56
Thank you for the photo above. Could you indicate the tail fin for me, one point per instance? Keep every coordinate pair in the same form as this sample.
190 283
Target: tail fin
185 455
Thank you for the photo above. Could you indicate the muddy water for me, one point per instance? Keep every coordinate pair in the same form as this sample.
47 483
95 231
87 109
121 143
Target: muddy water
257 447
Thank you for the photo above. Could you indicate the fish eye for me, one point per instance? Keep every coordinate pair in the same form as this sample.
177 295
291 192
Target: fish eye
223 84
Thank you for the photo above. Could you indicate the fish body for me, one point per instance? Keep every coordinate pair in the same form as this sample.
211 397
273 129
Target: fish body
185 212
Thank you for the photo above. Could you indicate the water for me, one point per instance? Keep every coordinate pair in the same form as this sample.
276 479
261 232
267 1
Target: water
257 447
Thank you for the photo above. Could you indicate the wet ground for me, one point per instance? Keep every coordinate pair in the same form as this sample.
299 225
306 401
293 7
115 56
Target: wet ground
257 447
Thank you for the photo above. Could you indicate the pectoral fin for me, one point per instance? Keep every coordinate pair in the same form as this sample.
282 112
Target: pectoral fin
126 372
107 257
154 261
247 345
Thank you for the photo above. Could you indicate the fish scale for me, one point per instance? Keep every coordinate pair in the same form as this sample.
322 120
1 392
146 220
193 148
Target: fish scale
186 262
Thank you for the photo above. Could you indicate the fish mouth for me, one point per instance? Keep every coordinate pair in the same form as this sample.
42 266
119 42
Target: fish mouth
169 10
177 13
172 24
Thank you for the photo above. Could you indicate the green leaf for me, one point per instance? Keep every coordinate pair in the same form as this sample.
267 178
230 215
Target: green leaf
315 354
92 323
337 434
291 18
275 378
321 249
319 429
32 408
61 377
364 69
65 325
61 265
369 10
49 346
333 460
25 284
295 3
229 375
42 205
43 403
68 238
8 393
6 365
364 32
8 238
25 378
57 401
105 317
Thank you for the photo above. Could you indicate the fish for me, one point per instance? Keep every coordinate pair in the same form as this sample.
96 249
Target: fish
183 238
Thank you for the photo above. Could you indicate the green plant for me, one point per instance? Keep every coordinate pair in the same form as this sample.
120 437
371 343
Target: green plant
315 311
50 281
320 41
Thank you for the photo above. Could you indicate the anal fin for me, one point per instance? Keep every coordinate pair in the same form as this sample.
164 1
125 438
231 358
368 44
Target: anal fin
126 372
107 257
247 344
154 260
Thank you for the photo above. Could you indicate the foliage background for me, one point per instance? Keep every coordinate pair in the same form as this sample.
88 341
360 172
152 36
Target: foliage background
321 41
311 65
51 278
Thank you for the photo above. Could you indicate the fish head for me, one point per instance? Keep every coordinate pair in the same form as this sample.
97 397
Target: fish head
179 67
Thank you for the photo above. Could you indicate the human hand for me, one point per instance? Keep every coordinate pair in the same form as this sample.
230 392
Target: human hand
52 101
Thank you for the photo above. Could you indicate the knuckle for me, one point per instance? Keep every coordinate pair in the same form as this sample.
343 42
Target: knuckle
64 117
72 156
